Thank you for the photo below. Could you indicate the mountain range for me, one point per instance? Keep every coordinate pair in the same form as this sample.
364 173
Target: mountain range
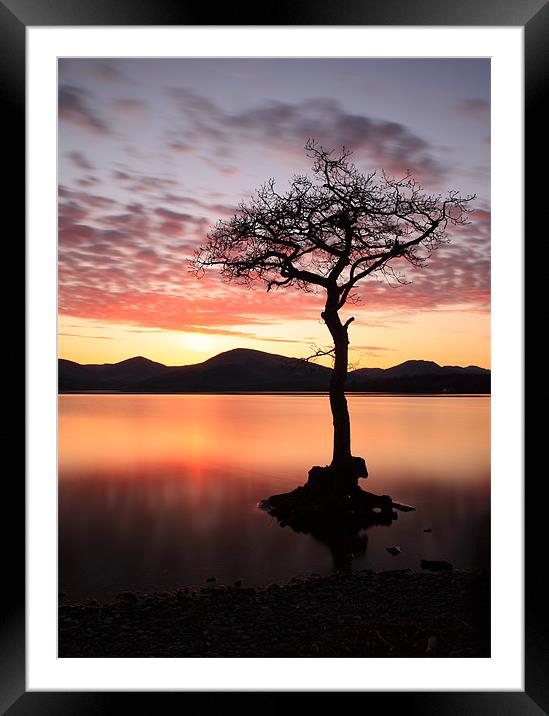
244 369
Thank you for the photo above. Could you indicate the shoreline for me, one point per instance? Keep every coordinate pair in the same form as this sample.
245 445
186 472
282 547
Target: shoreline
395 613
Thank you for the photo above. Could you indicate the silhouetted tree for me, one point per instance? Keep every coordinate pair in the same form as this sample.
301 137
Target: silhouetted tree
329 232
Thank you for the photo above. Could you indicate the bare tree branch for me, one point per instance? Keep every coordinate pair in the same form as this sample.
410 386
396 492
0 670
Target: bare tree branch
330 231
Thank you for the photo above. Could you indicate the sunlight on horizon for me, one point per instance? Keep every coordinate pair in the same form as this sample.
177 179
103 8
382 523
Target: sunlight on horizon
448 338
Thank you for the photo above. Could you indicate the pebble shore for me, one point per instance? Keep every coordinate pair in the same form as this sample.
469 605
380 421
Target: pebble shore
397 613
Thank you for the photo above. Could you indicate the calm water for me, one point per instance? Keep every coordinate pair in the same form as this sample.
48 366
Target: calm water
158 491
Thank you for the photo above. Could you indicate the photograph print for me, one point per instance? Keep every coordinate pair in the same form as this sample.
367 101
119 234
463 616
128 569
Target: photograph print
274 357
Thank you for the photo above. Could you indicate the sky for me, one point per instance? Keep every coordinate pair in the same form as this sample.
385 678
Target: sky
153 152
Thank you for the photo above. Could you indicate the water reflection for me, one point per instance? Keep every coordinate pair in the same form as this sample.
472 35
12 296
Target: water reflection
347 545
158 491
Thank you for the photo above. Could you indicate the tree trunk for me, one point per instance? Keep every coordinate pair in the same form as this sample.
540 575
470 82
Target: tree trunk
341 457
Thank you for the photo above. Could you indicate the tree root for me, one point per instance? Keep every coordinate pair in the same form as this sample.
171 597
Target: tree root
330 498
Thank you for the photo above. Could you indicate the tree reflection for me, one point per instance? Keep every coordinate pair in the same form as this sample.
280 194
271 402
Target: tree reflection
345 541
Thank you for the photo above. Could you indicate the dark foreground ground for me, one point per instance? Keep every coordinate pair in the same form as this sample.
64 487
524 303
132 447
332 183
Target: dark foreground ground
363 614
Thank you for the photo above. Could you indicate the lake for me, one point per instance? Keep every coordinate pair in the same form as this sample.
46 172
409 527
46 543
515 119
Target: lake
161 491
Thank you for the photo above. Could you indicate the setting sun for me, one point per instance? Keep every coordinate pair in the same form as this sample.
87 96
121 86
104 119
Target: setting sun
198 341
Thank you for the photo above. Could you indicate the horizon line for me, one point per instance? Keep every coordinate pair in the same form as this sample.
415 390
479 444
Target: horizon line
278 355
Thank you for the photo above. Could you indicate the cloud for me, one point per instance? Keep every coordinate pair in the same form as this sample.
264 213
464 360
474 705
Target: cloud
195 311
375 349
93 200
83 335
124 262
112 276
457 274
109 72
143 183
389 145
72 211
173 215
73 107
87 181
480 217
225 169
131 107
216 331
79 160
180 147
475 108
216 209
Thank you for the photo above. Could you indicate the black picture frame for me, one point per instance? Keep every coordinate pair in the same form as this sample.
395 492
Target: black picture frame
533 16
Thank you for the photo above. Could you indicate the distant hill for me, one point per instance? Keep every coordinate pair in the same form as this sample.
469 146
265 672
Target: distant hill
243 369
421 376
73 376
